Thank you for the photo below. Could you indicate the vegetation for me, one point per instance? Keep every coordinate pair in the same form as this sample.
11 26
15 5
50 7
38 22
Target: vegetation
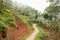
26 21
50 18
41 35
5 17
8 11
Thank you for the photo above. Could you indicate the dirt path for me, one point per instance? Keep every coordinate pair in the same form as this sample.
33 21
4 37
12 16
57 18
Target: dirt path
32 36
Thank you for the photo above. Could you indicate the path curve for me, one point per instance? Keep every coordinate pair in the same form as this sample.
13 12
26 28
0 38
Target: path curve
32 36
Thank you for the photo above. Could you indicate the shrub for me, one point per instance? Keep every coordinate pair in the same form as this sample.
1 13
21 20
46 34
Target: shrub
2 26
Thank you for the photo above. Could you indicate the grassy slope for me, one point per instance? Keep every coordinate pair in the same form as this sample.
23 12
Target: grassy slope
41 34
7 17
26 20
46 34
29 24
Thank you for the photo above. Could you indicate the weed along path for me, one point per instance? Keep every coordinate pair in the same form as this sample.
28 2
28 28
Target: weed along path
32 36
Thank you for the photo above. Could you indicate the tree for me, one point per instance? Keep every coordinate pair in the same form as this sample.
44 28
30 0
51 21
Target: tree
51 15
1 1
54 8
4 6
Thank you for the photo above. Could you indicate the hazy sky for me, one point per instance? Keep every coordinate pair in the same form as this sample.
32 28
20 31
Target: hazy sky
37 4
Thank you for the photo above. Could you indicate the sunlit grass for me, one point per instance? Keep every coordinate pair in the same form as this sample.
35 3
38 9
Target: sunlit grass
26 20
41 35
7 17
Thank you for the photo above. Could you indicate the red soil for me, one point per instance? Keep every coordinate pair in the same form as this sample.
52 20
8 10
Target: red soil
17 34
51 35
0 19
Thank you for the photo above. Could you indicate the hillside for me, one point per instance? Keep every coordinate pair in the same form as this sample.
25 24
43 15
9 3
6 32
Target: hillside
11 25
17 20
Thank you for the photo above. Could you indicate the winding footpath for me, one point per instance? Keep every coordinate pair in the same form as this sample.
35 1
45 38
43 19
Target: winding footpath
32 36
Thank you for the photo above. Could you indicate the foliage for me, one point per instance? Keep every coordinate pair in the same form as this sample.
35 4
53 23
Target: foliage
26 21
2 26
46 16
51 17
41 35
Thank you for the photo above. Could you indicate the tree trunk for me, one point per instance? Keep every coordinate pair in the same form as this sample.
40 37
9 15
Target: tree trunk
4 33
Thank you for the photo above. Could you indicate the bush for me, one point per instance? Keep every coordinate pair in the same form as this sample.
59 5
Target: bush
52 25
2 26
41 35
10 22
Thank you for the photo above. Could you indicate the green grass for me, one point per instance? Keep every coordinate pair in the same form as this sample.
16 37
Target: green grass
41 35
24 37
26 20
27 35
3 26
29 24
7 17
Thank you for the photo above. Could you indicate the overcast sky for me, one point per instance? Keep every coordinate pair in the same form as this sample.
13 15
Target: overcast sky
37 4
